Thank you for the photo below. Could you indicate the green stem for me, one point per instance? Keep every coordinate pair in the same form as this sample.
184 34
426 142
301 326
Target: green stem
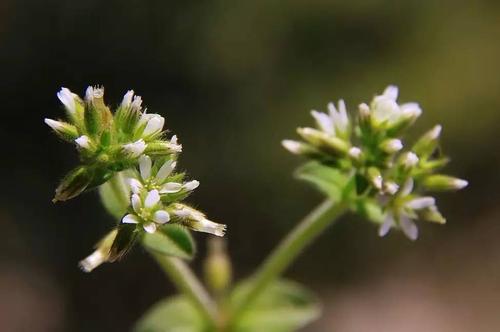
187 283
178 271
303 234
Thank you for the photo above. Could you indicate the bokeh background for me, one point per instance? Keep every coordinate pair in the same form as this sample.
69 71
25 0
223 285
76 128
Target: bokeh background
233 78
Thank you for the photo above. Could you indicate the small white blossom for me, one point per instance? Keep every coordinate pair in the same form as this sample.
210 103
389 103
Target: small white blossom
392 145
136 148
355 152
150 214
93 92
191 185
391 187
68 99
292 146
136 103
410 159
56 125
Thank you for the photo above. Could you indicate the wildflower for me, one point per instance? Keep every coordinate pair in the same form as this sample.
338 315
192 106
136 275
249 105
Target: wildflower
148 213
370 150
108 142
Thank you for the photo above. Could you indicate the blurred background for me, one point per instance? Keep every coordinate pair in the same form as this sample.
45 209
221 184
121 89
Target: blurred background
233 78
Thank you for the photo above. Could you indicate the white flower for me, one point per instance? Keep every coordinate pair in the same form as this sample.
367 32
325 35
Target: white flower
410 159
355 152
149 213
390 187
385 108
335 122
136 148
68 99
83 142
136 103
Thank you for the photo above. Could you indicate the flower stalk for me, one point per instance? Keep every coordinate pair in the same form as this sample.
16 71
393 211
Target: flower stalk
289 249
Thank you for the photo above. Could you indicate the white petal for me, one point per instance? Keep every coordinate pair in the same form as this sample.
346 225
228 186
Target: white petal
136 103
83 142
391 92
165 170
421 203
409 228
210 227
391 187
161 217
173 140
435 132
149 227
292 146
410 159
407 187
155 124
145 167
386 225
152 199
191 185
460 183
342 119
130 219
135 185
411 110
136 203
127 99
324 122
68 99
171 187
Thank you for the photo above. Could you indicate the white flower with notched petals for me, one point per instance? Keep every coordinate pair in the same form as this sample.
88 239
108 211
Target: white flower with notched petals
335 123
386 110
136 148
93 92
154 123
148 213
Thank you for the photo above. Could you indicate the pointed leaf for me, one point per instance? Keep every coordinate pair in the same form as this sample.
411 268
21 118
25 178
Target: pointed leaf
327 179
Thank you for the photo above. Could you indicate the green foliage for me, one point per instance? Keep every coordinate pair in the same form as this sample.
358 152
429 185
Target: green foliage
112 201
328 180
284 306
172 240
174 314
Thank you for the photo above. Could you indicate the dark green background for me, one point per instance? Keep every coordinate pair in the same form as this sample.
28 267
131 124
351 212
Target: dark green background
233 78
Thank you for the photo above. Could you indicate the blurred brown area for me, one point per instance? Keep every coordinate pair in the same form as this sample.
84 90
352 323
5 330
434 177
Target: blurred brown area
233 79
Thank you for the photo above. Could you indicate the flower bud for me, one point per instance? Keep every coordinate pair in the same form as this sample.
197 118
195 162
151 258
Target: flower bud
441 182
68 99
135 149
64 130
391 146
426 144
217 266
375 177
161 148
329 144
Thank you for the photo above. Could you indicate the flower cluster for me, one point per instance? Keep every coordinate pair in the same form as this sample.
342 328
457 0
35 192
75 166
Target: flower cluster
133 143
107 143
370 150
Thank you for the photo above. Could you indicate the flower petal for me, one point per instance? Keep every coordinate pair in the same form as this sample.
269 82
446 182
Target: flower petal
136 203
408 227
149 227
191 185
421 203
165 170
171 187
161 217
135 185
145 167
130 219
152 199
386 225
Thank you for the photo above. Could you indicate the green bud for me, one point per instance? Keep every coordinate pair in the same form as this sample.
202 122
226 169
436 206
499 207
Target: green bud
73 184
441 182
391 145
217 266
324 142
162 148
426 144
375 177
64 130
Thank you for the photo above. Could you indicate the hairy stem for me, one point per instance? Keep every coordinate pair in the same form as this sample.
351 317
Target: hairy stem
293 244
187 283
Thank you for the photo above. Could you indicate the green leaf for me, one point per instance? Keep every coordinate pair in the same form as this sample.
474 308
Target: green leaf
284 306
174 314
327 179
171 240
112 201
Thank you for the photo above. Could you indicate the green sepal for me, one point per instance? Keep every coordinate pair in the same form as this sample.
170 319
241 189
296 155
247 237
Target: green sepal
175 314
327 179
369 209
92 120
171 240
283 307
125 239
73 184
